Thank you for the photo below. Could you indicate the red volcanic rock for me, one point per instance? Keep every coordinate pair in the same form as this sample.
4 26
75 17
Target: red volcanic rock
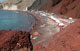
66 40
13 40
39 47
70 8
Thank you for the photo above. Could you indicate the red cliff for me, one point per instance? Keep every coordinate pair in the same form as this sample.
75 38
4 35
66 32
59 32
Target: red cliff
66 40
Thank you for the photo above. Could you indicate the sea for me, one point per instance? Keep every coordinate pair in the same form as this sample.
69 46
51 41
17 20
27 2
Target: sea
16 20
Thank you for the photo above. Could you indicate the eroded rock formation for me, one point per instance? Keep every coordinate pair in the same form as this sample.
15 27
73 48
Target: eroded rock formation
14 40
69 8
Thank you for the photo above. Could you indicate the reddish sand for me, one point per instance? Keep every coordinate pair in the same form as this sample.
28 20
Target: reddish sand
66 40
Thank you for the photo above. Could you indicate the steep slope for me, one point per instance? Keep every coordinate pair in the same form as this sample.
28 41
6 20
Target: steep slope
14 40
66 40
39 4
68 8
22 4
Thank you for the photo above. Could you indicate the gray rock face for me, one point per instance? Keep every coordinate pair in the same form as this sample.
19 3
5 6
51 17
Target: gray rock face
38 3
22 4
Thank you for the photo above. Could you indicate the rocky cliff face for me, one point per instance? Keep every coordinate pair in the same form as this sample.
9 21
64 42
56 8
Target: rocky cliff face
39 4
68 8
14 40
22 4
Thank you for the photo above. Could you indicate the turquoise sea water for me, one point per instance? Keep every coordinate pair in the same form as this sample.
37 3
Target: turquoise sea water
16 20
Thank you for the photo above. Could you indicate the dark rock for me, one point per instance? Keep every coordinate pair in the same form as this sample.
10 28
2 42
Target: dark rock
13 40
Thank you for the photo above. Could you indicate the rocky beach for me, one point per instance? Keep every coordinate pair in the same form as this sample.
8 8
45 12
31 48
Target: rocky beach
40 25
